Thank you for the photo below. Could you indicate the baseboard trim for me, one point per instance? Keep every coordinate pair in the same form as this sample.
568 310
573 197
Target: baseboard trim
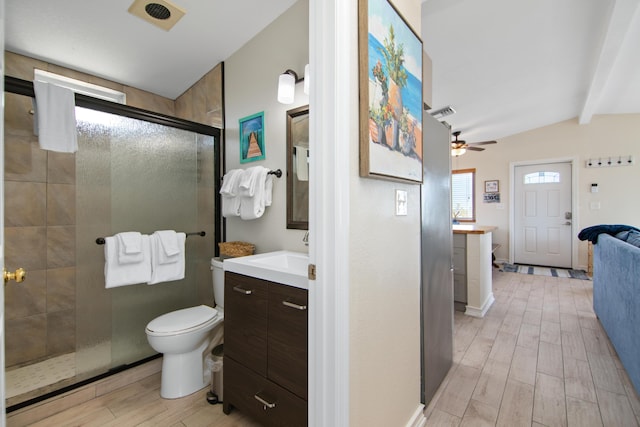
480 312
418 419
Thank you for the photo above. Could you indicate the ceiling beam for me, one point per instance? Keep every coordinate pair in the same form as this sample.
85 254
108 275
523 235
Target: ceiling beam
619 25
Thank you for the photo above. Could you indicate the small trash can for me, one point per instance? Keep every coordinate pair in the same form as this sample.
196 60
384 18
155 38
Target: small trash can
215 394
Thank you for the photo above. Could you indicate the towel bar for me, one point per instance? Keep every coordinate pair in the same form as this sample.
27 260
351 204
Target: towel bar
100 240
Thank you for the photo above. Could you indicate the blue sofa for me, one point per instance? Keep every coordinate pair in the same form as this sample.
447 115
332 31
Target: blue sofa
616 297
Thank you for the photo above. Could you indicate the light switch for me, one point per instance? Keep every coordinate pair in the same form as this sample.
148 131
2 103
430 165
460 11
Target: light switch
401 202
594 206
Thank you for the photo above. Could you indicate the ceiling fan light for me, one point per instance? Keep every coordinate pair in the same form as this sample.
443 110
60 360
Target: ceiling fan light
455 152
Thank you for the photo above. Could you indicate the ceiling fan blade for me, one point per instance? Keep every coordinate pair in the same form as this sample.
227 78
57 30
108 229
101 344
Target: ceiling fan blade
483 142
472 148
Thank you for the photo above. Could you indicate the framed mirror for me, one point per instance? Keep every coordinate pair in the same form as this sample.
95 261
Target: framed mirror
298 168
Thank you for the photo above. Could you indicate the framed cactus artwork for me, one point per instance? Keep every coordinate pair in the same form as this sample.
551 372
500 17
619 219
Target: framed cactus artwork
390 79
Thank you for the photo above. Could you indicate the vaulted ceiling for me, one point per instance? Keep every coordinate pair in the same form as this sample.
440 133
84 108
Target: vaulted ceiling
505 66
508 66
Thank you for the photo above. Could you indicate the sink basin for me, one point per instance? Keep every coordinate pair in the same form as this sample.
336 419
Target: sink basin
286 267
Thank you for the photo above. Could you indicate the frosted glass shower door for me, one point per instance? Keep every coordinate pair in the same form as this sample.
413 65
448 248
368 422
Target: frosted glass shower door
133 175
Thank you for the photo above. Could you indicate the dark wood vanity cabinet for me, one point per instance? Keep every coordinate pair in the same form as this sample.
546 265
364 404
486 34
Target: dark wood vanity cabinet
265 364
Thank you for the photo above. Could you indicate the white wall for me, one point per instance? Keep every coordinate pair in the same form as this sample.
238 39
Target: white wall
606 135
251 85
384 263
384 250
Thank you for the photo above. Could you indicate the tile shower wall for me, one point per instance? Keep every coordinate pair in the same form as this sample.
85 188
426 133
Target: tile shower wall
40 237
40 212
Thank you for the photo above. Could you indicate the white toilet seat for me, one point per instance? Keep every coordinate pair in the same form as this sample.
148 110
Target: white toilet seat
182 321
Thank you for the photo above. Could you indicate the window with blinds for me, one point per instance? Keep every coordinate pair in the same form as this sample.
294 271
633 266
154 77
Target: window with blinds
463 194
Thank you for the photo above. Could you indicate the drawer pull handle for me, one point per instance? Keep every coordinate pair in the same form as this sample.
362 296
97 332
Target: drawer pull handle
264 402
242 291
293 305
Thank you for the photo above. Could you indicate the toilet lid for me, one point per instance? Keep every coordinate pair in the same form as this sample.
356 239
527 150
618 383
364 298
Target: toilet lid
182 319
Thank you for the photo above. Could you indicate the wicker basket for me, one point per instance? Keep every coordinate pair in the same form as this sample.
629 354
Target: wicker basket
236 249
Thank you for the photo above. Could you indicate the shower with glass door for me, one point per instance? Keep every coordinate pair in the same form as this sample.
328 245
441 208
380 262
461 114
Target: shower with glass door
134 171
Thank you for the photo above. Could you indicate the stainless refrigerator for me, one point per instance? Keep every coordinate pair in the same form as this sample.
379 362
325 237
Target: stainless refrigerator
436 255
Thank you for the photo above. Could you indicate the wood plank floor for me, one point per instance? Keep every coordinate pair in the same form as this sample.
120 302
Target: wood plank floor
539 358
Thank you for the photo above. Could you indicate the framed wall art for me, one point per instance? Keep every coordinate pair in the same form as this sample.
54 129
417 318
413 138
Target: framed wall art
390 80
252 145
491 186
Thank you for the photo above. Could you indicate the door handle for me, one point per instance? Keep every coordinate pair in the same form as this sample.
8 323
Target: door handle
567 223
18 276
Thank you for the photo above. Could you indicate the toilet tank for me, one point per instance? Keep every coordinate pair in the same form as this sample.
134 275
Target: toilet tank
217 275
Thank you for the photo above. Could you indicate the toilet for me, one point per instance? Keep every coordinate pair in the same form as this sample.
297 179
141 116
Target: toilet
183 336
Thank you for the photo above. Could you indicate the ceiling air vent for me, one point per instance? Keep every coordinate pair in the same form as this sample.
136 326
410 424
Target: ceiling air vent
160 13
442 112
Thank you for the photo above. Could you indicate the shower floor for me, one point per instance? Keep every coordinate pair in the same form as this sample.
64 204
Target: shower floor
32 377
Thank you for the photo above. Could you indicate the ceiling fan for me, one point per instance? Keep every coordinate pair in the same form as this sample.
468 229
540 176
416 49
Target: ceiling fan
459 146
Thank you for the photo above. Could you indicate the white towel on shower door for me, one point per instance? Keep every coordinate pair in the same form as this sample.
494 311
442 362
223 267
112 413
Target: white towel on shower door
56 117
170 271
117 274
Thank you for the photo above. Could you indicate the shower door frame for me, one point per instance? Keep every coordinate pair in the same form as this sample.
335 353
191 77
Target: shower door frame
23 87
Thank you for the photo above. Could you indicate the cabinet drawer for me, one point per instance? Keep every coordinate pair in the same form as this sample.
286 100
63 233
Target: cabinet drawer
243 388
287 344
245 321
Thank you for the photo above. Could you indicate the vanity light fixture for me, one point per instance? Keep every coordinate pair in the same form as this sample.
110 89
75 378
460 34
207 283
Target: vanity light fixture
287 85
306 79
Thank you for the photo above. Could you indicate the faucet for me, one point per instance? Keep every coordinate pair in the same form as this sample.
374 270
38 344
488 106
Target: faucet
305 239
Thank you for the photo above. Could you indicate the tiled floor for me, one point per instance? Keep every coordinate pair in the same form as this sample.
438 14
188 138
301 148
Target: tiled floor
539 358
35 376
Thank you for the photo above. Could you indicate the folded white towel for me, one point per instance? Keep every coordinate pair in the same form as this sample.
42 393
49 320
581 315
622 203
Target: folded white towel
252 207
230 182
170 271
56 117
302 163
129 247
268 190
169 246
229 191
248 183
117 274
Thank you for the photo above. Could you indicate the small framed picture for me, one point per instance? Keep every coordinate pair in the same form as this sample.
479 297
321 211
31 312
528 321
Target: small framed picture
491 186
252 138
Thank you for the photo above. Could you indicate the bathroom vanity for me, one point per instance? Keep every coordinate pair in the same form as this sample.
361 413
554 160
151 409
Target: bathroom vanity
472 268
265 364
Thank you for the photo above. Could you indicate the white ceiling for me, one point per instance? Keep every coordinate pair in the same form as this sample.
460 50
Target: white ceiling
505 66
101 38
508 66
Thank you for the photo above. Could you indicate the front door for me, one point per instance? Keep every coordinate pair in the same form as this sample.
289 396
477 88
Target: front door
542 214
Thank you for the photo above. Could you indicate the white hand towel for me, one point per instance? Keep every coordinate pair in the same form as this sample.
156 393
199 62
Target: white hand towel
169 246
129 247
116 274
248 182
230 182
170 271
268 190
229 191
302 163
56 116
252 207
